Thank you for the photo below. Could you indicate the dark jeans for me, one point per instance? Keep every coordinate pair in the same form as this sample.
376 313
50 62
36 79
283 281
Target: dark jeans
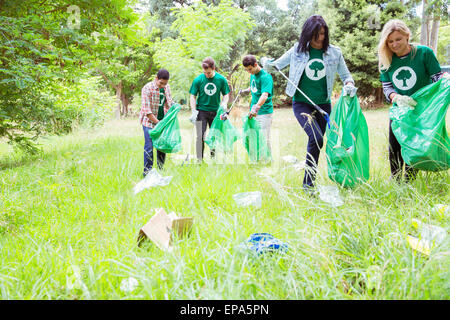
203 118
148 153
314 126
396 160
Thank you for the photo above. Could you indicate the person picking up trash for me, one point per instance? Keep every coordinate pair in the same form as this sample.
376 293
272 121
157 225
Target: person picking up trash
313 63
205 94
404 69
261 87
156 101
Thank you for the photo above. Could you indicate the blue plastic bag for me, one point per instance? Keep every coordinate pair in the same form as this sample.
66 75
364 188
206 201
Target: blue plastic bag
260 243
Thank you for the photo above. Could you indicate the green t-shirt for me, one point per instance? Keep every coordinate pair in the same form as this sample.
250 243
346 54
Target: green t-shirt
162 100
208 91
260 83
413 71
313 81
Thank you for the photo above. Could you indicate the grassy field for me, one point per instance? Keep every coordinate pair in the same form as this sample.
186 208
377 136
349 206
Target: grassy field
69 221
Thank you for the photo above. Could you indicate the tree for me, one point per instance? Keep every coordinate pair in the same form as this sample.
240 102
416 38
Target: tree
316 66
404 75
44 44
129 54
355 27
203 31
432 12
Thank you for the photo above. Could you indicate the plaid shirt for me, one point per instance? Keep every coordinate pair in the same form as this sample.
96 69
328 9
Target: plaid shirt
150 102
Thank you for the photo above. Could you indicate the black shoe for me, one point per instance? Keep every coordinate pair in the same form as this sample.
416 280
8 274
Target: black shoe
310 190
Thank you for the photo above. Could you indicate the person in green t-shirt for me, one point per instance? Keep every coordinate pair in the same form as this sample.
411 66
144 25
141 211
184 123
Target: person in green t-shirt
404 69
206 91
313 65
261 87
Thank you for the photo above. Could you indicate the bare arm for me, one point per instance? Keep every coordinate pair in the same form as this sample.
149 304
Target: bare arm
193 102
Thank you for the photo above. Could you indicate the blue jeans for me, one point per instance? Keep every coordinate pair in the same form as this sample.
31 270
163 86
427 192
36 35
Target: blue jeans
148 153
315 129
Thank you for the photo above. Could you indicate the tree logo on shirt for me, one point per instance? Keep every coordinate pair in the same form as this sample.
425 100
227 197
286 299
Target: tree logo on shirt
161 98
315 69
210 89
253 86
404 78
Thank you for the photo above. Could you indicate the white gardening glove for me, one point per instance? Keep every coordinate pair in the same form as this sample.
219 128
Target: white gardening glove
193 117
404 101
267 64
446 75
350 89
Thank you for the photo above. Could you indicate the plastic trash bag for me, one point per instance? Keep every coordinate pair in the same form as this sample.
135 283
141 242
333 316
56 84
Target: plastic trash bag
260 243
222 134
166 134
129 285
152 179
248 199
421 132
254 140
429 232
347 143
330 194
290 159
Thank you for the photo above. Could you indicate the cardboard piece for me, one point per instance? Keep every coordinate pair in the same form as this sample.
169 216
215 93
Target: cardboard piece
162 227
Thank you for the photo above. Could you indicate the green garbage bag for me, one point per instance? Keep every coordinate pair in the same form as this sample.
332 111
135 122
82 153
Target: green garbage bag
222 134
166 135
347 143
254 140
421 132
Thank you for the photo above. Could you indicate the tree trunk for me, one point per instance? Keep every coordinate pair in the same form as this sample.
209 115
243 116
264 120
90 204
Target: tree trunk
424 30
119 100
435 33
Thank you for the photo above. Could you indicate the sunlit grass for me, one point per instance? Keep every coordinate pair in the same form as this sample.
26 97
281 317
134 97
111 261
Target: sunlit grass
69 223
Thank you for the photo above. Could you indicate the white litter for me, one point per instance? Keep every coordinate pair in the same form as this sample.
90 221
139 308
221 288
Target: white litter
330 194
428 232
290 159
153 179
248 199
129 285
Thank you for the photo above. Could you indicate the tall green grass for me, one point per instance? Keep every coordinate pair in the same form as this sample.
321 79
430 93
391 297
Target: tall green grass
69 222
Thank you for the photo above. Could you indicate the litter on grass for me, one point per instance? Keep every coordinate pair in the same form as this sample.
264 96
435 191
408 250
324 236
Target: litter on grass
296 164
442 209
429 232
129 285
248 199
430 237
260 243
153 179
330 194
162 229
290 159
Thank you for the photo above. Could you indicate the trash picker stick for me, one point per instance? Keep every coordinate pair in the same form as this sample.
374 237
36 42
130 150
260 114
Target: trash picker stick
322 112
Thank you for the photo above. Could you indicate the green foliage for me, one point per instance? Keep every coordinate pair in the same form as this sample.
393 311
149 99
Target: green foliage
203 31
43 43
355 27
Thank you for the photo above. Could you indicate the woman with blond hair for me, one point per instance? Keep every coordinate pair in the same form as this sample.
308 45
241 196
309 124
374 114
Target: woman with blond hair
405 68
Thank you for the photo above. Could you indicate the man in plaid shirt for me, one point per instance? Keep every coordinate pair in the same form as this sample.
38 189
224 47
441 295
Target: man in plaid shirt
156 101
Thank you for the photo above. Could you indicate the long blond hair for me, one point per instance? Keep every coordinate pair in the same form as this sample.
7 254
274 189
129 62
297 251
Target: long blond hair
384 53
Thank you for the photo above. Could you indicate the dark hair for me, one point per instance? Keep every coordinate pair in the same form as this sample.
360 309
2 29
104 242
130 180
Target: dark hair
163 74
208 63
249 60
310 30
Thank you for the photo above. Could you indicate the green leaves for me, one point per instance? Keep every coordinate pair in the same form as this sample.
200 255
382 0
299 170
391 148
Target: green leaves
203 31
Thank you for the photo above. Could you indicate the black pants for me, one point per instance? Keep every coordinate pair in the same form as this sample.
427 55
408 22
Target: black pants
396 160
204 118
314 127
